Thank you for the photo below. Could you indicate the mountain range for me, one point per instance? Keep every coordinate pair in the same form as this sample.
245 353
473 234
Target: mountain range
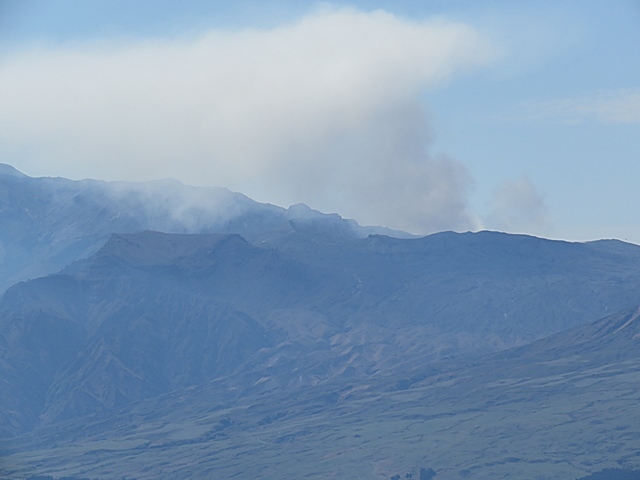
163 331
49 222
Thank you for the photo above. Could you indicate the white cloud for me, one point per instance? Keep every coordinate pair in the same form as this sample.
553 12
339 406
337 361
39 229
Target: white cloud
326 111
615 106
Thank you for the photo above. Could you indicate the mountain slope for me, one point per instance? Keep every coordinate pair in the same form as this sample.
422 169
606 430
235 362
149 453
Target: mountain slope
533 412
151 313
126 325
49 222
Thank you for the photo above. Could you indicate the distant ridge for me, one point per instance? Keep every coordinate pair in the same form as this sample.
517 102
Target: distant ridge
616 336
157 248
162 331
174 355
298 310
50 222
9 171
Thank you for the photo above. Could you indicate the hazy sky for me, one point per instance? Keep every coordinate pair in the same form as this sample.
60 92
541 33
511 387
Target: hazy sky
420 115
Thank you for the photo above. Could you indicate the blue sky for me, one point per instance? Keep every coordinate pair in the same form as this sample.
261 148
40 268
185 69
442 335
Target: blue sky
426 116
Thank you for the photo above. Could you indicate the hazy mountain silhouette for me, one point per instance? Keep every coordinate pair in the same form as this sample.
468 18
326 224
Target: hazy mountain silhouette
289 343
50 222
153 312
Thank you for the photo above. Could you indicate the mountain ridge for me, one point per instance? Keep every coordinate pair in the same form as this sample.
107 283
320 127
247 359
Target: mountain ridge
177 332
51 222
362 309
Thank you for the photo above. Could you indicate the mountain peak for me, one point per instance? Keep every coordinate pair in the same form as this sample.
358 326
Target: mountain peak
301 210
9 171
